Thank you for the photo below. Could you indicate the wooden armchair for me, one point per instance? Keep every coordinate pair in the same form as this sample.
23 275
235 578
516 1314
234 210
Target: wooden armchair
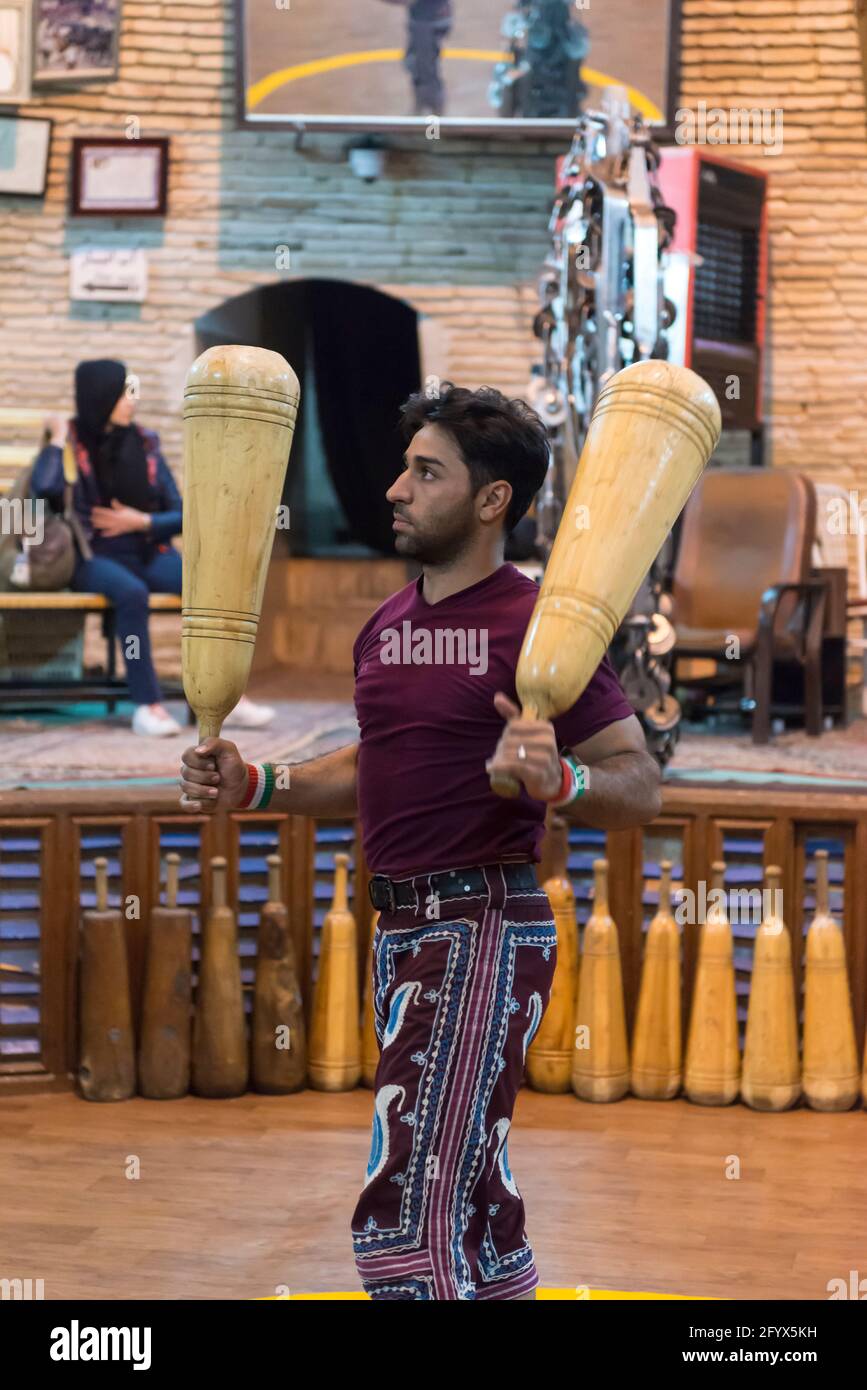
841 543
743 591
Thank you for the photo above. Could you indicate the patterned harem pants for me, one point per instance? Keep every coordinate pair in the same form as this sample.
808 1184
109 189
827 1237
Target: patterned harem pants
457 1000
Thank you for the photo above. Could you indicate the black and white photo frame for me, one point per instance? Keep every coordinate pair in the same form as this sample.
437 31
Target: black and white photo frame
75 41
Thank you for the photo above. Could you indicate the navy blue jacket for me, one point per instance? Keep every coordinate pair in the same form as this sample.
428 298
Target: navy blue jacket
166 509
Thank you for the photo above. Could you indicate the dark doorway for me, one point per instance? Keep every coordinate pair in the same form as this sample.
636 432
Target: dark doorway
355 352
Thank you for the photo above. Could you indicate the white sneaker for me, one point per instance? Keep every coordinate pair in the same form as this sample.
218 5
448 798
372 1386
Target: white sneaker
247 715
149 724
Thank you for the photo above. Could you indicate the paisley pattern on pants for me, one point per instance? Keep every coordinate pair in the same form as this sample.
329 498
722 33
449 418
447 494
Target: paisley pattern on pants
457 1000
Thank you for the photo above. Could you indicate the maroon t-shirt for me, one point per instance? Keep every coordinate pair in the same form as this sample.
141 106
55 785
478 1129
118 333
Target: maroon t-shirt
425 679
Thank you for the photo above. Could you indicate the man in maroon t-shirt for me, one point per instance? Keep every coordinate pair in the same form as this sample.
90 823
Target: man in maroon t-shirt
465 945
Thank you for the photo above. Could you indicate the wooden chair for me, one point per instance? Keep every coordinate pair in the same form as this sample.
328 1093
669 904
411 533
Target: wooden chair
743 592
844 546
856 609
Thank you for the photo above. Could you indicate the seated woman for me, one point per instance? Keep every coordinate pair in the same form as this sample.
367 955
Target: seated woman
129 508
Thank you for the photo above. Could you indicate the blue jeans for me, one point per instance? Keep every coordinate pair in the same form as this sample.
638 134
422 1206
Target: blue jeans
127 578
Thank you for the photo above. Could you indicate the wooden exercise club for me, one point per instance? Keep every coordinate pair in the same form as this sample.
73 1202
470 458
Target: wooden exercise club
278 1049
164 1051
221 1064
654 428
831 1076
369 1040
656 1044
771 1077
549 1056
600 1060
240 408
334 1062
106 1068
713 1061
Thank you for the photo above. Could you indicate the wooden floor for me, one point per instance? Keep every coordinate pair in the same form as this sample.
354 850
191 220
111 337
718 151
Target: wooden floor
241 1199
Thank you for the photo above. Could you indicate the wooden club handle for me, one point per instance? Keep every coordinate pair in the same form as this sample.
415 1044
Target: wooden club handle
501 783
506 786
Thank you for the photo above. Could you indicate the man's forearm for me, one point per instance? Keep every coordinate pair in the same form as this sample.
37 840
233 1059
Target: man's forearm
623 791
321 787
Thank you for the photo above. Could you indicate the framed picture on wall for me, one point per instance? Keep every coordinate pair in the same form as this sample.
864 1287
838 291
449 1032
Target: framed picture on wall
75 40
16 24
116 177
24 145
487 67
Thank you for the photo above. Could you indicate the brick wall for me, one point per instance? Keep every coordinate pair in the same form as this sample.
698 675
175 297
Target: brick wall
457 228
432 231
803 57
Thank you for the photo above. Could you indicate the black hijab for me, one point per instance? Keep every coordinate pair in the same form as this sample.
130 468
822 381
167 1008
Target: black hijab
116 452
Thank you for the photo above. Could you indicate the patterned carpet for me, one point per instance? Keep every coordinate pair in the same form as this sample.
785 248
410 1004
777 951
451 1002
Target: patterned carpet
838 755
83 744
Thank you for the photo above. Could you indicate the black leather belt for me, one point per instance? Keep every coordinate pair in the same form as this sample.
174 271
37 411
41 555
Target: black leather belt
388 894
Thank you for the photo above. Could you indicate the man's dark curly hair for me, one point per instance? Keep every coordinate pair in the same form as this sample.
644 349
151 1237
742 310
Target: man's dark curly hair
497 438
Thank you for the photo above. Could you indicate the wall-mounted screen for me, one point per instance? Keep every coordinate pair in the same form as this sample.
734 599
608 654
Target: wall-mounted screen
488 66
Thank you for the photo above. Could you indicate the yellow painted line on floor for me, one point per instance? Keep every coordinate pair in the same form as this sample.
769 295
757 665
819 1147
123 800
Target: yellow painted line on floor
563 1295
257 93
649 110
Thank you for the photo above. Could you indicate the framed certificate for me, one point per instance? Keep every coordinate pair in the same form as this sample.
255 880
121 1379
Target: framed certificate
116 177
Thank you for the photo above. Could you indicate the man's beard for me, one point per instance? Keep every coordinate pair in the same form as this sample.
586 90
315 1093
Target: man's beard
442 548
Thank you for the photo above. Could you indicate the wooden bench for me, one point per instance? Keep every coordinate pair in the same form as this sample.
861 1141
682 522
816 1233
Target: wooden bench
109 687
22 423
27 424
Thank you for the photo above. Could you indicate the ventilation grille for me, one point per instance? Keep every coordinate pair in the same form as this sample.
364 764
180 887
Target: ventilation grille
835 844
726 284
20 945
658 845
836 847
100 842
584 846
743 852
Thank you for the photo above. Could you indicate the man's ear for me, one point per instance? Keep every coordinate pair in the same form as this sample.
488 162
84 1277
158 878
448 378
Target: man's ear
496 499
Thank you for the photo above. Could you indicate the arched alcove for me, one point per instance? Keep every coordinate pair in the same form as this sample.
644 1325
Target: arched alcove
356 353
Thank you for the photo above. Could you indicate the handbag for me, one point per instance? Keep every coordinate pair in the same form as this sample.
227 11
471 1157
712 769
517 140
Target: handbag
48 564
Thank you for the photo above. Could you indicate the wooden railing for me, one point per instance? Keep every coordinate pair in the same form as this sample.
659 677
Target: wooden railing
48 843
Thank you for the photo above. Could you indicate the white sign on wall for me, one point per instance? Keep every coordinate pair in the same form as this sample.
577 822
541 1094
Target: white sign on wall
103 273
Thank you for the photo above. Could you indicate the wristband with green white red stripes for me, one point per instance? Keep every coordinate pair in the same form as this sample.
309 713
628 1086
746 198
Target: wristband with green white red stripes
574 781
260 786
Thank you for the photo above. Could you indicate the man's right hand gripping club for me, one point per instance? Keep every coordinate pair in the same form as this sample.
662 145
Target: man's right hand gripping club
213 775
